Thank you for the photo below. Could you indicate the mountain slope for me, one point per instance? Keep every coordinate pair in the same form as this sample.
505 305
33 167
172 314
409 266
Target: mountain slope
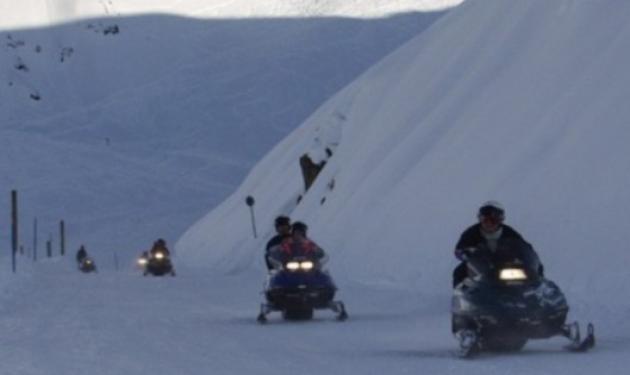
133 123
517 101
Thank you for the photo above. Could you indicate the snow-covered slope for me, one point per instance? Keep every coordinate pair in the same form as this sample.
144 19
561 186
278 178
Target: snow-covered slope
29 13
523 102
131 119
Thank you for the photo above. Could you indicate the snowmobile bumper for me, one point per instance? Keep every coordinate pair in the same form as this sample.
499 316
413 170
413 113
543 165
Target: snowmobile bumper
521 311
283 298
159 268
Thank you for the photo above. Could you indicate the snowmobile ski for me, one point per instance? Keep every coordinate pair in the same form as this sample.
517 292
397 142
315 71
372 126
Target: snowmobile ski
577 344
468 343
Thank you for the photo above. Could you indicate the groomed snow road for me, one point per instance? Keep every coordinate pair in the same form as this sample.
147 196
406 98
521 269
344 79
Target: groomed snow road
55 320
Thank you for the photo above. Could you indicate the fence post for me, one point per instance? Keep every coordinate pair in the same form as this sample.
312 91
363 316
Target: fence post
250 203
14 229
49 247
62 236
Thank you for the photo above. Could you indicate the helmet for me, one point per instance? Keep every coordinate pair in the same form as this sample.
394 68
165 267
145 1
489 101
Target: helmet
160 242
299 226
282 220
492 209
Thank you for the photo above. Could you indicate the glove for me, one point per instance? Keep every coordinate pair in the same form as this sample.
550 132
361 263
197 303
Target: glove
464 253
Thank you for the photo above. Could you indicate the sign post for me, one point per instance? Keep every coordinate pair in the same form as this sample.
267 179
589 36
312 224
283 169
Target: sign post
250 202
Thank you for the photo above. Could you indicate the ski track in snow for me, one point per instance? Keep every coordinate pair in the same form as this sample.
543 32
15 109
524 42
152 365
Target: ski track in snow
57 320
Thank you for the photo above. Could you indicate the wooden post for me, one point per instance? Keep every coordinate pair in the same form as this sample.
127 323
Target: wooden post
250 203
14 228
49 247
62 237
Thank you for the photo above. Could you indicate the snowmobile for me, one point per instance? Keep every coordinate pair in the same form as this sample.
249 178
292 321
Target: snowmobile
87 265
505 301
158 264
142 260
298 287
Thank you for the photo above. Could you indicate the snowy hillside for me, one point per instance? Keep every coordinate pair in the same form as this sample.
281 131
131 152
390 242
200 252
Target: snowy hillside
523 102
131 119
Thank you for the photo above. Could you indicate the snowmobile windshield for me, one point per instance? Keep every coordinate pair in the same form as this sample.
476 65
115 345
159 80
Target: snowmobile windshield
513 260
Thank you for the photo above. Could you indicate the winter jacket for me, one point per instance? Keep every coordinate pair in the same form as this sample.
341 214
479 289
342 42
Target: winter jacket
472 237
81 254
296 247
276 240
273 242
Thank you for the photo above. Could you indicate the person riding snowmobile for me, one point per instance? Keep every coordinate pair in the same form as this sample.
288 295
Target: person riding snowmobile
159 246
488 234
298 244
283 230
159 260
81 254
297 285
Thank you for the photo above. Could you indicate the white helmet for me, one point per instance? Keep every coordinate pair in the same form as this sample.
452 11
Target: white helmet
492 208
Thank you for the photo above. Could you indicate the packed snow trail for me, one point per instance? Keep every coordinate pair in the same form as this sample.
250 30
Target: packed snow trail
59 321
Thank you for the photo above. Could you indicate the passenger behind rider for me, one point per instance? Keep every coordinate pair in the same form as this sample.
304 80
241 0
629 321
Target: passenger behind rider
283 231
297 245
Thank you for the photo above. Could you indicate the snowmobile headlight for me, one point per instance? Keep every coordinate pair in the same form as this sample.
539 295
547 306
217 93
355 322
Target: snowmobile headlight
293 266
142 261
159 256
307 265
512 274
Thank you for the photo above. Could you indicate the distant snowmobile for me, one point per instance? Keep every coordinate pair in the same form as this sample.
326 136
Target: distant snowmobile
87 265
142 260
158 264
505 302
297 289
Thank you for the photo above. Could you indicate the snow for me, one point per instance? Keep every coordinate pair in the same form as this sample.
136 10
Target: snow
522 102
149 128
30 13
532 115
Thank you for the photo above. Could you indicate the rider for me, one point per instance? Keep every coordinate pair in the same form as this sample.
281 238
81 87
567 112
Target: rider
81 254
283 231
297 245
489 232
159 246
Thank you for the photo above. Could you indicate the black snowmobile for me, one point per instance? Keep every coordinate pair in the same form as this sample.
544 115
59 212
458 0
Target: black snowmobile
87 265
505 301
297 288
158 264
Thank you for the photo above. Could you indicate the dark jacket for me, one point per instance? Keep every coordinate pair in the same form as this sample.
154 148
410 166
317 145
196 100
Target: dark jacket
472 237
273 242
296 247
276 240
81 254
